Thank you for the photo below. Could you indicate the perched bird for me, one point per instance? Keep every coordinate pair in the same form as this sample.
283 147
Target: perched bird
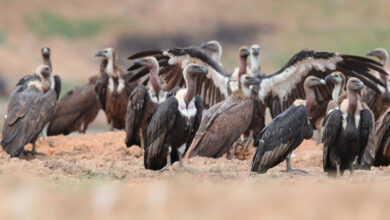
50 81
112 89
346 132
174 124
378 102
143 102
255 60
75 110
286 131
337 79
29 110
224 122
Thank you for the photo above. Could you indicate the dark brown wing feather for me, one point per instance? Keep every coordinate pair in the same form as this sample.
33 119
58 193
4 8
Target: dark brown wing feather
382 140
135 109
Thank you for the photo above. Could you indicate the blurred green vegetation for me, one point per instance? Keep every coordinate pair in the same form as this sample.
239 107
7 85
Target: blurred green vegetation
66 86
3 37
46 24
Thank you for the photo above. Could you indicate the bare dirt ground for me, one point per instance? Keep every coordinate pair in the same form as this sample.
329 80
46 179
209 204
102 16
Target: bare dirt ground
95 176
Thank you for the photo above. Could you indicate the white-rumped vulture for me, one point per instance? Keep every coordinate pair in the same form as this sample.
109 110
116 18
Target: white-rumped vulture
143 102
286 131
29 110
174 124
113 89
378 102
75 110
50 81
278 90
224 122
347 130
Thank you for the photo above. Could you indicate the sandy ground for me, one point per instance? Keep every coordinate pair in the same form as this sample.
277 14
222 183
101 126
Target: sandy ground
95 176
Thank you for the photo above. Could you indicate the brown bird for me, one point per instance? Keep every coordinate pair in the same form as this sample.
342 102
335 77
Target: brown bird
224 122
49 80
112 89
75 110
382 140
29 110
143 102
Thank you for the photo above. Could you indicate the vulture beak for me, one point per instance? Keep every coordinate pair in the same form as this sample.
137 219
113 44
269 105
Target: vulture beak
360 85
256 51
322 82
203 70
138 62
45 51
253 81
370 53
45 71
100 54
329 78
204 45
245 53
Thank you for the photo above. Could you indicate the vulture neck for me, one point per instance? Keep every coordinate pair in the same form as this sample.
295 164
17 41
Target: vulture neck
352 101
310 99
111 67
255 64
46 60
190 88
384 59
154 80
337 91
241 70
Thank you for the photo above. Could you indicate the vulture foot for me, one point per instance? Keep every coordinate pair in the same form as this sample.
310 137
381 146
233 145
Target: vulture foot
34 151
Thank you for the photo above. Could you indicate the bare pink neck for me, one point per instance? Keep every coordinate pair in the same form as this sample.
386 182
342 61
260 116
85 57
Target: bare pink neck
154 80
352 102
241 70
190 84
310 99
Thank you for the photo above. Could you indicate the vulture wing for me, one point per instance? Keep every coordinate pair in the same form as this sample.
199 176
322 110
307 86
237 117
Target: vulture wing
163 120
285 133
101 89
221 125
367 146
57 87
382 140
212 88
279 90
135 107
332 127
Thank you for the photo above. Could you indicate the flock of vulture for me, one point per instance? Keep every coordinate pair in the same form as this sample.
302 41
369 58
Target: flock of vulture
180 103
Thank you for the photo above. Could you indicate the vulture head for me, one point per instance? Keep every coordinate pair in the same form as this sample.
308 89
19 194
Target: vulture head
44 70
336 78
45 52
152 65
255 50
244 52
148 62
380 53
193 70
213 49
248 81
313 81
107 53
355 84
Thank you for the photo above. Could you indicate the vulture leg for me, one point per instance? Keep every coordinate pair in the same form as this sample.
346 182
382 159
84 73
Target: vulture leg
111 126
141 137
169 164
288 166
249 139
180 160
338 168
34 151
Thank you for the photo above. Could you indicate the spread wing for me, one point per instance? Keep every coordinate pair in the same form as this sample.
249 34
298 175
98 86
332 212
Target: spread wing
280 137
71 108
279 90
332 127
135 107
159 127
221 125
212 88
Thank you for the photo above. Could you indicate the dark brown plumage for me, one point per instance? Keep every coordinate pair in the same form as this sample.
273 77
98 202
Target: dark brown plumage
75 110
29 110
112 89
382 140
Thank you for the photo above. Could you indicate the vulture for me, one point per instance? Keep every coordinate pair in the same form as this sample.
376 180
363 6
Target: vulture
174 123
378 102
75 110
286 131
113 89
224 122
347 131
48 80
255 59
278 90
29 110
143 102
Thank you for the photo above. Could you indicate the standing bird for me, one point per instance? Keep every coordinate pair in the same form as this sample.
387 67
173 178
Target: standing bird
174 124
378 102
142 103
255 60
346 132
224 122
29 110
48 80
112 89
286 131
75 110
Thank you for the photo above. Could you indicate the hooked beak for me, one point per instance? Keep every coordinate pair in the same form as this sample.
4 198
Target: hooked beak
245 53
360 85
256 51
203 70
253 81
45 71
322 82
100 54
370 53
204 45
45 51
329 78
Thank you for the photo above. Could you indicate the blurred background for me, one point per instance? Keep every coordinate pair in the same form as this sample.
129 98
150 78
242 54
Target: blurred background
75 30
